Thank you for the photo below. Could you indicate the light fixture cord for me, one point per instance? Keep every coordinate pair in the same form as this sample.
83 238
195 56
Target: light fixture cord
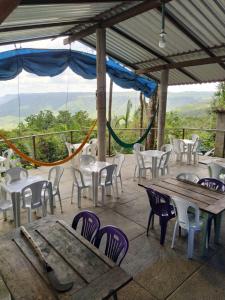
163 16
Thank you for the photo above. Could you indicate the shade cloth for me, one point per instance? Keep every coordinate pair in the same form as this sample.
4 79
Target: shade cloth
51 62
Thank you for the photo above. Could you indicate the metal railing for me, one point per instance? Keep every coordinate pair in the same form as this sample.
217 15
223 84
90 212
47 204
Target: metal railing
69 135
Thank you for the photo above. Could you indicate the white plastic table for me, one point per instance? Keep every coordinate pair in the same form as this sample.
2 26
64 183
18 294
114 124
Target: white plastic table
154 155
189 144
94 169
15 189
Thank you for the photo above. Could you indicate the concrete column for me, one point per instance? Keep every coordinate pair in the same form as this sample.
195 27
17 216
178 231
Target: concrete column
162 107
101 91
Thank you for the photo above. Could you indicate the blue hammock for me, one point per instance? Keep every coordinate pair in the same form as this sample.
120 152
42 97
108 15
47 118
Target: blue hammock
48 62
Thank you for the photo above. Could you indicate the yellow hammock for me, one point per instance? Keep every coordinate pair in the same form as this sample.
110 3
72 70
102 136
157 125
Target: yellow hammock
48 164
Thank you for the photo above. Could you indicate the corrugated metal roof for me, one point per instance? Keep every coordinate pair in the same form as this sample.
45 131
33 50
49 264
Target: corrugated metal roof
195 29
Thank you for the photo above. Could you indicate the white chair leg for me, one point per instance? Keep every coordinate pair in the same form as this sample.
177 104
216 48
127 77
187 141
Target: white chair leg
72 193
174 234
135 169
5 215
191 236
116 184
121 184
103 194
29 212
78 197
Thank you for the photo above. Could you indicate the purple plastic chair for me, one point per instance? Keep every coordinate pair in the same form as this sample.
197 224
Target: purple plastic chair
213 184
116 242
160 206
90 225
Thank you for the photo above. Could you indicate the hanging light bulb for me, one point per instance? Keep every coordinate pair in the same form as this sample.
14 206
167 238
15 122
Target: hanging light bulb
162 39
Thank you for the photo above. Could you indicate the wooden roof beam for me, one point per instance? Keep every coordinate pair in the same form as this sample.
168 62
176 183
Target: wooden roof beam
6 7
183 64
129 13
50 2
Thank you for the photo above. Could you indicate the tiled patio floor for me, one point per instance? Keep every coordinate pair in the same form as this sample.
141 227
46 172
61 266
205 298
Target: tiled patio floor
158 272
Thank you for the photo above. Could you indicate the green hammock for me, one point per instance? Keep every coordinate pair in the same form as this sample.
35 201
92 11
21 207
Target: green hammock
140 140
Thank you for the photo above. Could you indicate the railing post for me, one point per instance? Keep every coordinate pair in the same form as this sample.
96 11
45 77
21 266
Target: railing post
34 146
183 133
71 137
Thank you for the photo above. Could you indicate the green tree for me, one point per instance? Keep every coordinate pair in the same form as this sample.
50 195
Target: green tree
219 97
43 121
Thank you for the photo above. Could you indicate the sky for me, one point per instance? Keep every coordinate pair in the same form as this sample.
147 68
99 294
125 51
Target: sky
30 83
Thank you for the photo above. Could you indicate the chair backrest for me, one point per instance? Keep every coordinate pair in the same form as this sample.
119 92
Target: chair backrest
93 141
8 155
139 159
215 170
92 149
77 177
182 207
178 145
90 224
15 174
138 147
69 148
35 194
117 243
156 199
106 175
164 159
166 147
188 177
194 137
118 160
196 145
55 175
213 184
171 138
86 159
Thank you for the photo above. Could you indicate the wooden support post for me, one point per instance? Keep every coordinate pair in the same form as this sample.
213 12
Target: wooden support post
141 112
162 107
101 91
110 111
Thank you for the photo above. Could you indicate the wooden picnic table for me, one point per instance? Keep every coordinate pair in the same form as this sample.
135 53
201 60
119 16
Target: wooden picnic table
72 257
211 203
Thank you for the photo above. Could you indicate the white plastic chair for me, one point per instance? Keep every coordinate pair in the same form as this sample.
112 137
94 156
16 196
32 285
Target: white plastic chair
106 175
215 171
138 147
79 182
194 137
15 174
188 177
194 150
163 165
7 154
5 205
55 175
180 149
166 147
141 165
190 222
34 196
69 147
93 141
118 160
92 149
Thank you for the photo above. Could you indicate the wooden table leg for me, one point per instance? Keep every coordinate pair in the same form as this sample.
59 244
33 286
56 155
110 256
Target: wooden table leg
217 228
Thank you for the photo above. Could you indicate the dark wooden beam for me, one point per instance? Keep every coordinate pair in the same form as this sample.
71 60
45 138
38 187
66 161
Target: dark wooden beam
183 64
152 51
6 7
129 13
50 2
45 25
190 34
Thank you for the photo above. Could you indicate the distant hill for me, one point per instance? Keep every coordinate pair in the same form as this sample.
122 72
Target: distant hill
188 103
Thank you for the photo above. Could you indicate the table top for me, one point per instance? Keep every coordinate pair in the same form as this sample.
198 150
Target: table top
95 167
153 153
210 201
18 185
71 256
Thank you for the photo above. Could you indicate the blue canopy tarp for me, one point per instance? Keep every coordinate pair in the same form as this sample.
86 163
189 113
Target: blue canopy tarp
48 62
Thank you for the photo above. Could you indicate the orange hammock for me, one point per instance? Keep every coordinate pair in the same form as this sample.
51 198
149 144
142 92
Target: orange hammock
41 163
